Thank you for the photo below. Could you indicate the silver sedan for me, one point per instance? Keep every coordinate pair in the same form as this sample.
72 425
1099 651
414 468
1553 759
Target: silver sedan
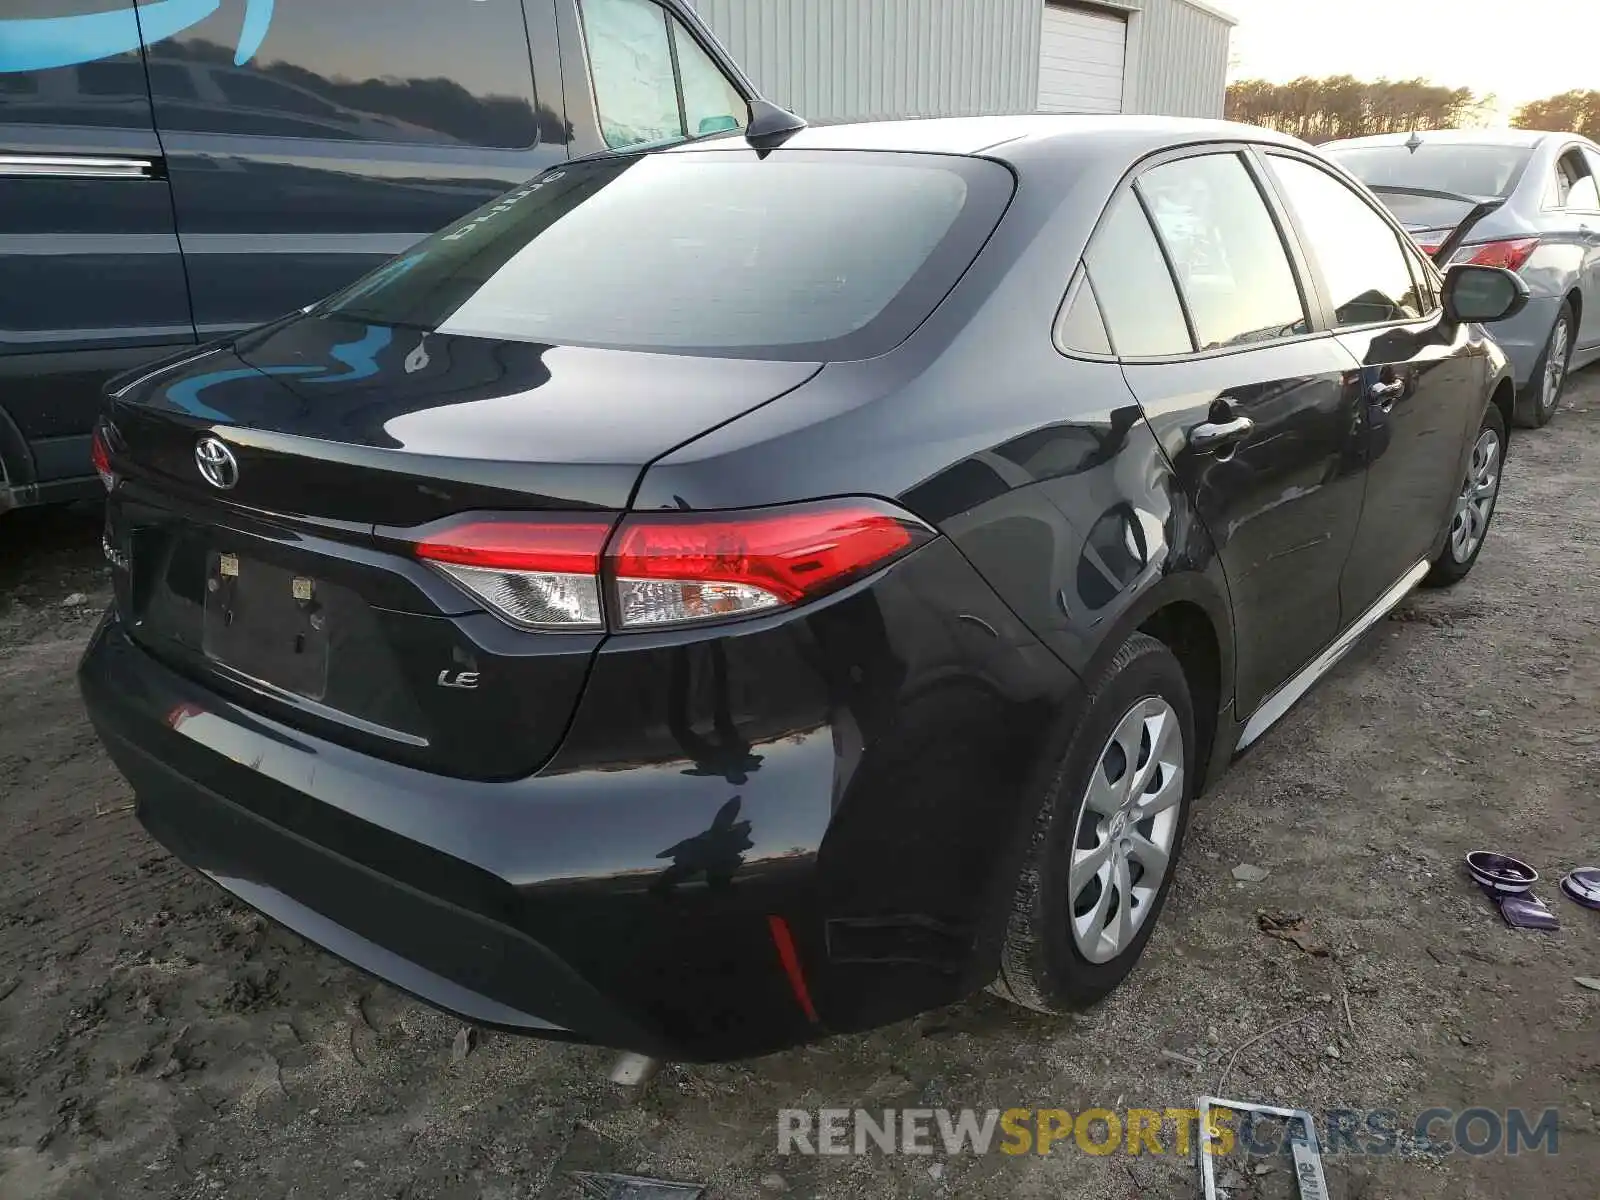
1514 198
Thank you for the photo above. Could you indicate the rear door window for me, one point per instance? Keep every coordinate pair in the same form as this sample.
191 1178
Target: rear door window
652 81
807 255
1225 246
1360 255
1134 286
1575 183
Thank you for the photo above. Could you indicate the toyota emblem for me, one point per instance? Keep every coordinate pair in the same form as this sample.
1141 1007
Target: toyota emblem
216 463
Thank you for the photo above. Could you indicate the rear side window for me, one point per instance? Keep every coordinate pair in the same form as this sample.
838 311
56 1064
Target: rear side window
804 255
1133 284
1080 326
1575 185
445 74
1225 246
1363 265
652 81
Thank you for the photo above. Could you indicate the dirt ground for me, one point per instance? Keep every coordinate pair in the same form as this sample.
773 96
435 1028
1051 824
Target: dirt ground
157 1039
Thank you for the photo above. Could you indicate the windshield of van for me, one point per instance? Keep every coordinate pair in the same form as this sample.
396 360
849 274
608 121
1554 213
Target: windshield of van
799 255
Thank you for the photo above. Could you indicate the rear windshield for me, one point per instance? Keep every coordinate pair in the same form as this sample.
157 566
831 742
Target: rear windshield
1478 171
801 255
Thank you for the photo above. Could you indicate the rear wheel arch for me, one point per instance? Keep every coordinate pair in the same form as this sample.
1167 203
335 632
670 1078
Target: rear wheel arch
1575 298
1187 630
1189 612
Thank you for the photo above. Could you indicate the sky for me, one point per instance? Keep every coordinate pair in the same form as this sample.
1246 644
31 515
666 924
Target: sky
1519 50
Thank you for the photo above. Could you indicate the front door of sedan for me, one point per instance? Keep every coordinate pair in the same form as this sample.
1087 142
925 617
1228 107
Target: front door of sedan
1422 378
1254 408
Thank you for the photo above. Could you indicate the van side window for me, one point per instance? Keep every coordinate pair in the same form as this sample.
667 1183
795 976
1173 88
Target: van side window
440 74
652 81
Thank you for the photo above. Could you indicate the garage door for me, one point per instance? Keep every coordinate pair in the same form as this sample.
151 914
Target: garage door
1080 61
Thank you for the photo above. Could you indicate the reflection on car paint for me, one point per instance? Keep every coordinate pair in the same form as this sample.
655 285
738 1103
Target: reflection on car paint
360 356
42 43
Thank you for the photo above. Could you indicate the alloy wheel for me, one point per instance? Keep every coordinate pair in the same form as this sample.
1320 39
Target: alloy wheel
1555 366
1475 505
1127 822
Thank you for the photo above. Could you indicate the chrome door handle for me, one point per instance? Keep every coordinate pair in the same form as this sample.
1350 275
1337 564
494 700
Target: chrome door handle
1385 394
1213 435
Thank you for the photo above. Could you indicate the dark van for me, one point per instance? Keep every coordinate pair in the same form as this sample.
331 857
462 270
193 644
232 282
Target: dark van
173 171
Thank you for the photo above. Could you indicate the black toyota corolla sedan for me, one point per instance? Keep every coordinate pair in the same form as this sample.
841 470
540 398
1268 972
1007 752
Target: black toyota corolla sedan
717 597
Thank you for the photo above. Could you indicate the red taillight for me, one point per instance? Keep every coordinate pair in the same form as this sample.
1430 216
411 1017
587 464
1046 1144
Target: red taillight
1510 254
666 568
540 574
100 455
518 545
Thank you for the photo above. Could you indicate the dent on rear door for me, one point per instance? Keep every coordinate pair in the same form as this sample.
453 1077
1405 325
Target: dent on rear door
1074 523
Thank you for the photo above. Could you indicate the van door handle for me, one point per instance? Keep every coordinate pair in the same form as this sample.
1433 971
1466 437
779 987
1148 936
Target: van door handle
1218 435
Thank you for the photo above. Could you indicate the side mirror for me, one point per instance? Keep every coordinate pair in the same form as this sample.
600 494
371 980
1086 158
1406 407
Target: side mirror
717 124
1483 294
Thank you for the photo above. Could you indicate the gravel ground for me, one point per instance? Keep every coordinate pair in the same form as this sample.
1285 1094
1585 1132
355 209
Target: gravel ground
157 1039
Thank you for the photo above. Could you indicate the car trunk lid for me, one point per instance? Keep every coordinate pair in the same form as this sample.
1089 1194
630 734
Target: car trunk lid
293 590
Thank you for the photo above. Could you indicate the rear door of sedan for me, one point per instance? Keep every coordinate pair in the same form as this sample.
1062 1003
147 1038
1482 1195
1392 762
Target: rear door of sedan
1254 403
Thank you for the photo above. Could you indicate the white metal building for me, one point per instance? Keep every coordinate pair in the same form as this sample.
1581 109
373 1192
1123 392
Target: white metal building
833 59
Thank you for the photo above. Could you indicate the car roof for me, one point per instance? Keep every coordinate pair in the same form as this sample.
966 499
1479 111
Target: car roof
1006 137
1514 138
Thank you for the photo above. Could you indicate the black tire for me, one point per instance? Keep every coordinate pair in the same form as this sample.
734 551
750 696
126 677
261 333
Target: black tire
1452 566
1538 409
1041 966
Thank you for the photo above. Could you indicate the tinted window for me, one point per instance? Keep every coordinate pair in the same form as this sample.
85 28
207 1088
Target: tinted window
382 70
803 256
652 81
47 78
248 90
113 77
1081 327
1362 263
1134 286
173 81
1226 249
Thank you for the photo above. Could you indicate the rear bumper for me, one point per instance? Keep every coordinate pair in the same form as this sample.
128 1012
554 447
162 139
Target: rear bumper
625 894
